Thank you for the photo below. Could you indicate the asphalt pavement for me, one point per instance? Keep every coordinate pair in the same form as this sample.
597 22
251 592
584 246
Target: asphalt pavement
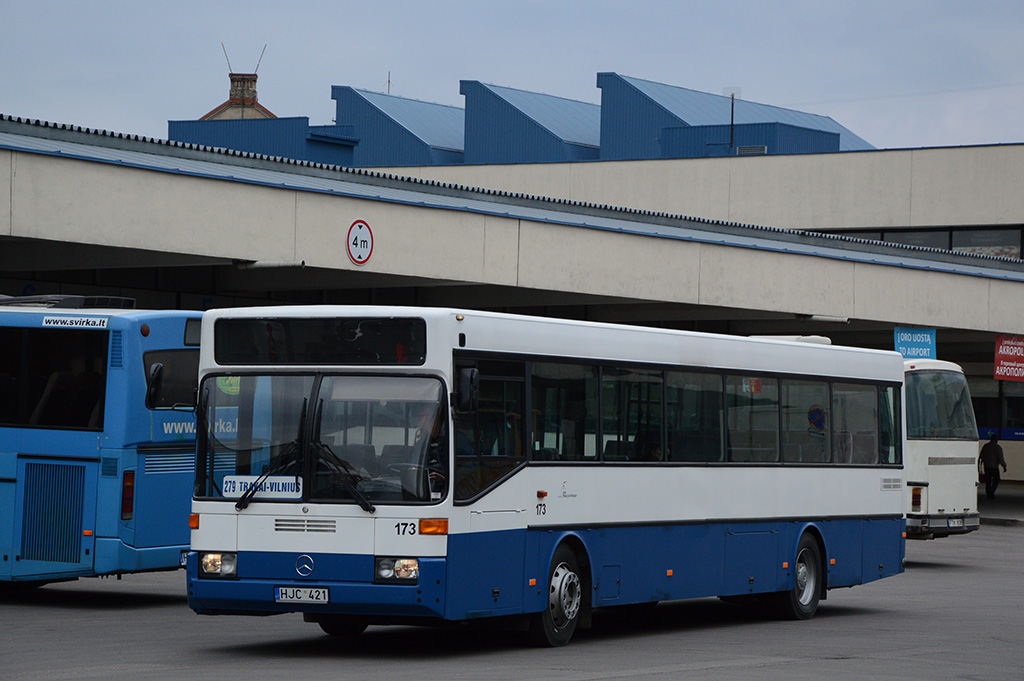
1006 509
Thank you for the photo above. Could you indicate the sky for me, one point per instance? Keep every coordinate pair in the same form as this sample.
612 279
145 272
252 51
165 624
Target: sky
898 73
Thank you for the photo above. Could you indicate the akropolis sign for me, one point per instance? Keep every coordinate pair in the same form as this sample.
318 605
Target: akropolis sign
1009 358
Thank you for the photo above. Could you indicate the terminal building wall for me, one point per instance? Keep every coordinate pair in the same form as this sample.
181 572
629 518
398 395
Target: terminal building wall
852 190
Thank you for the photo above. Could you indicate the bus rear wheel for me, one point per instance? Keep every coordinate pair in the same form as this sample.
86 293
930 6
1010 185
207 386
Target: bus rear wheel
554 625
801 602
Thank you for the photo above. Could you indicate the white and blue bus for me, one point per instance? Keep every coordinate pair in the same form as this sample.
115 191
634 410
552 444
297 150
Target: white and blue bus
96 465
942 451
368 465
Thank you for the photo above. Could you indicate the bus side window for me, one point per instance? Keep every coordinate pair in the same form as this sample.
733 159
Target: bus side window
855 419
489 441
889 443
564 411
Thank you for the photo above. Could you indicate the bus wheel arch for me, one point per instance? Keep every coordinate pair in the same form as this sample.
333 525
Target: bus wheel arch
567 604
815 532
801 601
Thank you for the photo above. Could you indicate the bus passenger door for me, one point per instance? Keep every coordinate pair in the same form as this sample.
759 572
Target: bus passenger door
8 484
486 564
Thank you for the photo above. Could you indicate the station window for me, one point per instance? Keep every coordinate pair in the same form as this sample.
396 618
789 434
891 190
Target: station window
996 242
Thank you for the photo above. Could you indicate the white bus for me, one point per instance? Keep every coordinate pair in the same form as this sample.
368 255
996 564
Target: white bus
367 465
942 451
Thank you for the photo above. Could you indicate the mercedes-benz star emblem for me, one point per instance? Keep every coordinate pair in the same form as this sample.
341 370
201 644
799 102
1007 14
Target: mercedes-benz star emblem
304 565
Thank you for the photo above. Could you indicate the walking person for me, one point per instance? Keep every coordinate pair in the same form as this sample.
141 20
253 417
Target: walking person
991 459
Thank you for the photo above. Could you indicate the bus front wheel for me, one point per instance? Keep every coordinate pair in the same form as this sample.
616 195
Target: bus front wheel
555 625
801 602
341 626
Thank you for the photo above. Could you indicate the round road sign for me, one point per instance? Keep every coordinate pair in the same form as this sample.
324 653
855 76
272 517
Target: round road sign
359 242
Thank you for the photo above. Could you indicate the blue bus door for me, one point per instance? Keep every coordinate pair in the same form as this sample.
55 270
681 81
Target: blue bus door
7 487
54 518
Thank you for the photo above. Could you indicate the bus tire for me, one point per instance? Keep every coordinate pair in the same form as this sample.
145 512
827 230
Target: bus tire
342 626
554 626
801 602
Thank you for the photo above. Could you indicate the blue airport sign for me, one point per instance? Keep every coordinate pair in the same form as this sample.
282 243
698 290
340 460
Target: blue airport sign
915 343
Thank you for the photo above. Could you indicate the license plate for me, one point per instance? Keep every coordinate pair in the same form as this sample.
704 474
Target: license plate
289 594
956 522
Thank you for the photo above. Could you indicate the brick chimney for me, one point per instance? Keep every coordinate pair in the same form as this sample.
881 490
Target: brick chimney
242 101
243 88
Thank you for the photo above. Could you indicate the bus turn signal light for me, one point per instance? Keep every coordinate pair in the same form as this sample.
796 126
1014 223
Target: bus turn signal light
433 526
193 521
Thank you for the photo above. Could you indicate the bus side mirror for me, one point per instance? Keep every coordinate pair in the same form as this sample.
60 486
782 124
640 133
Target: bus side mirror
467 390
156 379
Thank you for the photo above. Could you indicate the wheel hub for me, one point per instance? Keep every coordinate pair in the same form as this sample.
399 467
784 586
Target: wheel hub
564 597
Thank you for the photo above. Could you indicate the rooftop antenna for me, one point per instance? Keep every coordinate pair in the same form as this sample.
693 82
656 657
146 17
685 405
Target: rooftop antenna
732 93
226 57
260 59
389 82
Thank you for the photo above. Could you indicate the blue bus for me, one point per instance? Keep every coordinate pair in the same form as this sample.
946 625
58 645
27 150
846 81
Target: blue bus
379 465
97 437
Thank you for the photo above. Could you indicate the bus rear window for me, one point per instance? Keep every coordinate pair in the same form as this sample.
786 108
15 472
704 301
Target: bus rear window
52 378
337 341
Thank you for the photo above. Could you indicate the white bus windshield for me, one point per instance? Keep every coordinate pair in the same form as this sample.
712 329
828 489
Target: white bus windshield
361 439
939 407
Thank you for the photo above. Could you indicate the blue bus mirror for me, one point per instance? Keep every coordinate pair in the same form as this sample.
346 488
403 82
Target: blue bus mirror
155 379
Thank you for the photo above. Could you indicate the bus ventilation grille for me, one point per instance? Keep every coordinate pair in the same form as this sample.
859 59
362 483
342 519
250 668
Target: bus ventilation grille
889 484
51 528
170 462
304 525
108 467
116 350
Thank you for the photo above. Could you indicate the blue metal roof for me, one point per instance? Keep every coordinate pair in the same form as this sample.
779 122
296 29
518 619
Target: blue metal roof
568 119
703 108
186 159
438 125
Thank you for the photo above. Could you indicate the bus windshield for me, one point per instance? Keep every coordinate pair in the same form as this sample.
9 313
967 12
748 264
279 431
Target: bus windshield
939 406
348 439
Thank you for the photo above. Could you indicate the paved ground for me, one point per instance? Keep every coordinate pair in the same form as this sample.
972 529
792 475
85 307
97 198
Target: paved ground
955 614
1006 509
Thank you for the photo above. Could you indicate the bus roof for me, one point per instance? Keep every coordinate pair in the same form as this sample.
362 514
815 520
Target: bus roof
520 334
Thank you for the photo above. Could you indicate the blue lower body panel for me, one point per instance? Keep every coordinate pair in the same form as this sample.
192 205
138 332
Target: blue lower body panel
114 556
491 574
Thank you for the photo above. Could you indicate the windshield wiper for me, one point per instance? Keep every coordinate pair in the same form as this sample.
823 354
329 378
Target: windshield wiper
285 458
349 478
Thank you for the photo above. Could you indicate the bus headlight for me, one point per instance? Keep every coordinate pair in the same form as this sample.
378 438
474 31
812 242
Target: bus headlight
218 564
396 570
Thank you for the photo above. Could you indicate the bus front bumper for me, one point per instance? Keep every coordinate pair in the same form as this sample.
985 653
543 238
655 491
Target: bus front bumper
266 595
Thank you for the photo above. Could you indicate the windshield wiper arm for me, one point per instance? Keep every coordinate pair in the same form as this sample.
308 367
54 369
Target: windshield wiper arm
285 459
348 480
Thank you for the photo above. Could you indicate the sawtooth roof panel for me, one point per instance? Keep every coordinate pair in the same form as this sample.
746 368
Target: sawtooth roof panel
569 119
703 108
438 125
